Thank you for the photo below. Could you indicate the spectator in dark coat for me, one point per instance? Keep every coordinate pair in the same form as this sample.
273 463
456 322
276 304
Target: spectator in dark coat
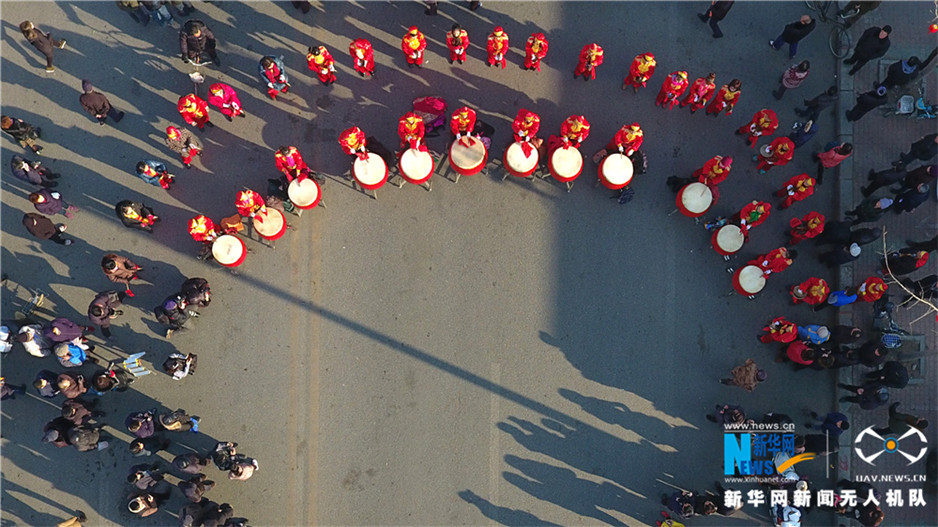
923 174
842 255
62 329
883 178
133 214
873 44
72 385
215 515
191 515
190 463
56 432
869 210
104 308
716 13
869 396
903 261
866 102
96 104
900 423
141 424
909 199
42 41
820 444
197 292
42 227
194 487
195 38
834 423
924 149
793 33
872 353
51 203
78 411
903 72
32 172
24 133
802 133
924 288
892 374
46 384
812 108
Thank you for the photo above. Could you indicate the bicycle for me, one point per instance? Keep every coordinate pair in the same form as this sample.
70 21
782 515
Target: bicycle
838 40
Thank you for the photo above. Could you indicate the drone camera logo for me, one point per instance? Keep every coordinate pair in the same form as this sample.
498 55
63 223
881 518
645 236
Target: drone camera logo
889 445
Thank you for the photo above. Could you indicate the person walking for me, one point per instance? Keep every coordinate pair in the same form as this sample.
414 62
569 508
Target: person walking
274 75
51 203
726 98
225 98
909 199
413 45
883 178
813 107
319 59
793 33
900 423
810 226
195 38
714 14
33 172
120 270
792 78
457 41
802 133
797 188
71 385
867 101
902 72
194 110
812 291
777 153
923 174
591 56
832 157
22 132
834 423
746 376
840 256
363 54
154 173
892 374
103 309
183 143
872 289
873 44
97 104
763 124
700 92
535 50
903 261
43 42
869 210
868 397
841 298
497 46
136 215
779 330
923 150
642 68
195 487
42 228
672 88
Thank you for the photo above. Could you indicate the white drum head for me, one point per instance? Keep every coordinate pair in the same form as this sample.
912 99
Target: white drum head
303 193
273 221
467 157
369 171
227 249
518 161
567 162
617 169
730 238
696 197
751 279
416 164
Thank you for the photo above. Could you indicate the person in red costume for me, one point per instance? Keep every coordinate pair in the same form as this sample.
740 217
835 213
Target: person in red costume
274 74
534 51
726 98
753 214
763 124
457 40
194 110
775 261
290 162
364 56
779 330
352 141
320 60
642 68
590 57
671 89
795 189
872 289
410 128
462 122
777 153
225 99
203 229
526 125
700 92
574 130
627 141
806 228
249 203
812 291
413 44
714 172
497 46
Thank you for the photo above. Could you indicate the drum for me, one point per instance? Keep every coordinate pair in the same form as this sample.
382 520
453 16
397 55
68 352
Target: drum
727 240
468 160
229 250
765 151
694 199
416 166
370 173
748 280
517 164
565 164
615 171
273 226
304 193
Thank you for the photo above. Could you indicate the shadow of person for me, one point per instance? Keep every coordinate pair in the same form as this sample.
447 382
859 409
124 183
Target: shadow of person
502 515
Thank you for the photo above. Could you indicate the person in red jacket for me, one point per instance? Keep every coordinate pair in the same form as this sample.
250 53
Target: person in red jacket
497 46
777 153
320 60
795 189
700 92
534 51
225 99
352 141
798 351
413 44
590 57
726 98
249 203
671 89
526 125
627 141
642 68
779 330
411 130
774 261
203 229
574 130
364 56
194 110
462 122
290 162
805 228
753 214
812 291
714 172
872 289
763 123
457 40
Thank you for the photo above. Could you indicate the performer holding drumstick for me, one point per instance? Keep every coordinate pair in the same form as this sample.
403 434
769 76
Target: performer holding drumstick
411 130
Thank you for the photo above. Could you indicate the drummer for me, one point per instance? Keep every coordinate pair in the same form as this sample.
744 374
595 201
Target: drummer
411 130
463 122
352 140
714 172
574 130
812 291
753 214
764 123
806 228
775 261
363 53
249 203
203 229
779 330
525 126
627 141
780 150
796 189
290 162
872 289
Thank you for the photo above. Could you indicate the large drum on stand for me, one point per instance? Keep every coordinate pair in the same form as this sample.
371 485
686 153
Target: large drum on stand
467 156
517 163
305 193
749 280
565 164
370 173
416 166
694 199
229 250
728 240
270 225
615 171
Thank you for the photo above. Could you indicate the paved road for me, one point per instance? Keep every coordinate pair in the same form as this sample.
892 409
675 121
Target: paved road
486 352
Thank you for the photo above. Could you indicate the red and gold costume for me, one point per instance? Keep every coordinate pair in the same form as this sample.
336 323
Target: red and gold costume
763 123
775 261
781 150
352 142
714 171
225 99
642 68
291 164
574 130
410 128
526 125
413 45
699 93
322 63
458 42
364 56
796 189
671 89
590 57
202 229
187 151
164 178
779 330
805 228
534 51
812 291
627 140
249 202
193 109
725 98
872 289
463 121
497 46
753 214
